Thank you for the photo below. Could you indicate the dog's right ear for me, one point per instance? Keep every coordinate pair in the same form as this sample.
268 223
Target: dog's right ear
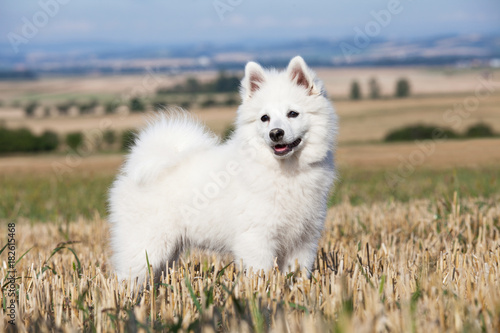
254 77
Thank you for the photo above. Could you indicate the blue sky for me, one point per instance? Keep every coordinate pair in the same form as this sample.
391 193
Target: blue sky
193 21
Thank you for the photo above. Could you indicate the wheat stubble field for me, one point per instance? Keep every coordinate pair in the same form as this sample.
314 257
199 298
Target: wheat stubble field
421 255
387 267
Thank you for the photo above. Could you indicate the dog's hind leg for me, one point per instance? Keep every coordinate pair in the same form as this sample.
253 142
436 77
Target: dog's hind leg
172 254
131 261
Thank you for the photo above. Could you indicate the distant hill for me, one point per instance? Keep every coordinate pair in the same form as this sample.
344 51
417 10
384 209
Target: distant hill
357 50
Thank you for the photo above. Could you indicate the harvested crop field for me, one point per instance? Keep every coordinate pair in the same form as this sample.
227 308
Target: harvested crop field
424 265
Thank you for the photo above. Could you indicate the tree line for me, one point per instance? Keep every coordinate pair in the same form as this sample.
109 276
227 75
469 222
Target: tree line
401 90
22 140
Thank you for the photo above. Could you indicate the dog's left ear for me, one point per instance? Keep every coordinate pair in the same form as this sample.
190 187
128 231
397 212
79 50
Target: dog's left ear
301 75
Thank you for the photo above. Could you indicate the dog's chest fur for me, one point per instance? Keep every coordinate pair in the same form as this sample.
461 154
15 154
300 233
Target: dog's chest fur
299 203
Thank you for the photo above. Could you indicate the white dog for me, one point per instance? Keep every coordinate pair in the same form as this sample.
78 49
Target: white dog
261 196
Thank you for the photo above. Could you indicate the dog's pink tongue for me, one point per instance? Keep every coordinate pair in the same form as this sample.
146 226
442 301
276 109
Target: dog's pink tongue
280 148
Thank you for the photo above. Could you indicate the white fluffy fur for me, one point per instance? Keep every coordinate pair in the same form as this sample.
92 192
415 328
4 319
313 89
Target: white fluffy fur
179 187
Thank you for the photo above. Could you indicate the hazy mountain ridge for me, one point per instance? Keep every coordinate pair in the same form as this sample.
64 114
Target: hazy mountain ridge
108 57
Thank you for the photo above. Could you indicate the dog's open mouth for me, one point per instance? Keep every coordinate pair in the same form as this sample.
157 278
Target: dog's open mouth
283 149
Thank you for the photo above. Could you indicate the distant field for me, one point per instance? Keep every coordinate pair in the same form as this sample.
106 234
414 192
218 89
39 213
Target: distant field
360 121
371 120
423 80
337 82
216 119
438 97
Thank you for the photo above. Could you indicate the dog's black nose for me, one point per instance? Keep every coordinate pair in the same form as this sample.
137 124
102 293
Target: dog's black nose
276 134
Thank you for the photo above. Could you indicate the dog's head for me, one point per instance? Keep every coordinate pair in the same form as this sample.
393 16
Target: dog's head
288 111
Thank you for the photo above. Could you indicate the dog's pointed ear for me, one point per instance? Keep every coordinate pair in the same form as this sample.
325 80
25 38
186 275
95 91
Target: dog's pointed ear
254 77
300 74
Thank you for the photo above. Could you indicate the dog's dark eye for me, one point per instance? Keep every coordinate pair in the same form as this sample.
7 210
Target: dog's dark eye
292 114
264 118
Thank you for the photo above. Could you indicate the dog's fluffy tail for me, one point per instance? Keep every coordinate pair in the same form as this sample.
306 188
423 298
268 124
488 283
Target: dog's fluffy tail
167 140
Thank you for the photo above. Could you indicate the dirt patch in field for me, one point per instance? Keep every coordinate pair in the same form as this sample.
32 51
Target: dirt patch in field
429 154
60 165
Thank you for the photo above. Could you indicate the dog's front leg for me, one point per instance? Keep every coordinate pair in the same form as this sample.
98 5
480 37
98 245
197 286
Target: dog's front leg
304 256
254 251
